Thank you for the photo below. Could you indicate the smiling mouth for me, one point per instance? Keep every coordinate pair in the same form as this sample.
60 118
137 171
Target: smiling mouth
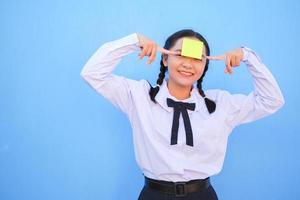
184 73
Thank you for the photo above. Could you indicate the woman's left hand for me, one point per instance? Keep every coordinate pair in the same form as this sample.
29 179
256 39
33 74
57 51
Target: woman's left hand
231 58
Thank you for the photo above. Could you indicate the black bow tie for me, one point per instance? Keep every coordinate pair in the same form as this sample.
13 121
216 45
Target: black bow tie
181 107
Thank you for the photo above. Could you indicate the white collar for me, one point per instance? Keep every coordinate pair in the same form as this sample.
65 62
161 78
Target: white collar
164 93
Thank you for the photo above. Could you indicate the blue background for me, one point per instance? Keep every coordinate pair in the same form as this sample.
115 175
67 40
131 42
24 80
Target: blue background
60 140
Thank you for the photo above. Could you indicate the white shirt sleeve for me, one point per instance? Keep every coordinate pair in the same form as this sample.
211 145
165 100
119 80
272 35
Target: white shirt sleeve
97 72
265 99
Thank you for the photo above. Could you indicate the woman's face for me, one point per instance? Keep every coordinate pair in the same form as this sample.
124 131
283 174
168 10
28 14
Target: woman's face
184 71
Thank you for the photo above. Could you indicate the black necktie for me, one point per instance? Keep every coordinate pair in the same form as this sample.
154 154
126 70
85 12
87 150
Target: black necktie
181 107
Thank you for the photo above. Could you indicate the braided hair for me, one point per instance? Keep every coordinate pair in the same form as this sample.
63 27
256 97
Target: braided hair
210 105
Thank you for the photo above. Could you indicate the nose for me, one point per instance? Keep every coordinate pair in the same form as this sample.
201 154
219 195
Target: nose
187 63
187 66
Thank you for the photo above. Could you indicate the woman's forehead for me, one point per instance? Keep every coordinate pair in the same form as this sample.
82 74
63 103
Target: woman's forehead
178 44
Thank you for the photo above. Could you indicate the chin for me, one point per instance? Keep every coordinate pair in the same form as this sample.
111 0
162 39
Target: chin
186 80
185 83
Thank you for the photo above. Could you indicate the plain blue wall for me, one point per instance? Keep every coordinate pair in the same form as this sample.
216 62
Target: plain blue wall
59 139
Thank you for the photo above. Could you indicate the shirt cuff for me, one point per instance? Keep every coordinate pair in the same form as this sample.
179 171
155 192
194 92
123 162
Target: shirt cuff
132 39
246 52
249 53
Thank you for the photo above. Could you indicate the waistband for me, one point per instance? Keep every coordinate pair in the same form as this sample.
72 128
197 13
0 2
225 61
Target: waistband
178 189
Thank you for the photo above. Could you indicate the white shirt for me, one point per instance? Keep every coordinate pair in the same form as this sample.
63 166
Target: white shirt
151 123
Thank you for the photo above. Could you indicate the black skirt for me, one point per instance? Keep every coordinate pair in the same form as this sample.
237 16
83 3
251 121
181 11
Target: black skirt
148 193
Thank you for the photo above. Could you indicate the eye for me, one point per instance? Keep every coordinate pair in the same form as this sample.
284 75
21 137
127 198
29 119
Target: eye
198 60
177 55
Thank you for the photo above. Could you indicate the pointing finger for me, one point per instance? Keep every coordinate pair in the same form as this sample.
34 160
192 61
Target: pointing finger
220 57
165 51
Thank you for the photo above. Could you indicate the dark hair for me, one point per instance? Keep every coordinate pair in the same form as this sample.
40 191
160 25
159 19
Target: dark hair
211 105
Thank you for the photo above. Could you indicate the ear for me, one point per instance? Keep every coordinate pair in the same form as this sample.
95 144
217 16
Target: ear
165 58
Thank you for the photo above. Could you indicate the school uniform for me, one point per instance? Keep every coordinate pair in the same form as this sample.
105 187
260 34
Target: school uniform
192 146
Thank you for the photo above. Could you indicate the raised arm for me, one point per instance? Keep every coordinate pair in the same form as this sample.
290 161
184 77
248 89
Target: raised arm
265 99
97 72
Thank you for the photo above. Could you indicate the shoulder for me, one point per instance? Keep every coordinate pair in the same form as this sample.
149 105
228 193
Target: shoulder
226 100
138 88
217 94
224 97
138 84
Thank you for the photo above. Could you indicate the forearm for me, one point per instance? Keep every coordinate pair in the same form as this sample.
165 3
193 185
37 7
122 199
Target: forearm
102 63
265 85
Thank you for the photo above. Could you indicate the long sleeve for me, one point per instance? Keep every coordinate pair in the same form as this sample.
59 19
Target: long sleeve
265 99
97 72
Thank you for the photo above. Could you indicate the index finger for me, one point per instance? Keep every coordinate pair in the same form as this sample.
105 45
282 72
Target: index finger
220 57
165 51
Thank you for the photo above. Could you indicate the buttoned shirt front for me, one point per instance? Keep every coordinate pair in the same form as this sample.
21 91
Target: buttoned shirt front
152 122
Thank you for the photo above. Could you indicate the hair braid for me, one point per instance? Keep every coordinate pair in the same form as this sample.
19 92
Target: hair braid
210 105
154 90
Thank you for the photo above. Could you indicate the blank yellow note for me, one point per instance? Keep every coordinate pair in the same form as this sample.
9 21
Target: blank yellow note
192 48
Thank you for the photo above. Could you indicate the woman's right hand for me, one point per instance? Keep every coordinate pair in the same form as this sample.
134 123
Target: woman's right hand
150 48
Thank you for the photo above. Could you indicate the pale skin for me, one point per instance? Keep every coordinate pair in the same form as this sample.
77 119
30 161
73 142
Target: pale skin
185 71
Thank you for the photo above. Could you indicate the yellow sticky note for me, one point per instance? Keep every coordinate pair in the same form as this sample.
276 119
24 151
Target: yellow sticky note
192 48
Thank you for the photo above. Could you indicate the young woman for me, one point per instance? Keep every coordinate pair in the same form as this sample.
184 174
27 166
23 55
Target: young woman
180 131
